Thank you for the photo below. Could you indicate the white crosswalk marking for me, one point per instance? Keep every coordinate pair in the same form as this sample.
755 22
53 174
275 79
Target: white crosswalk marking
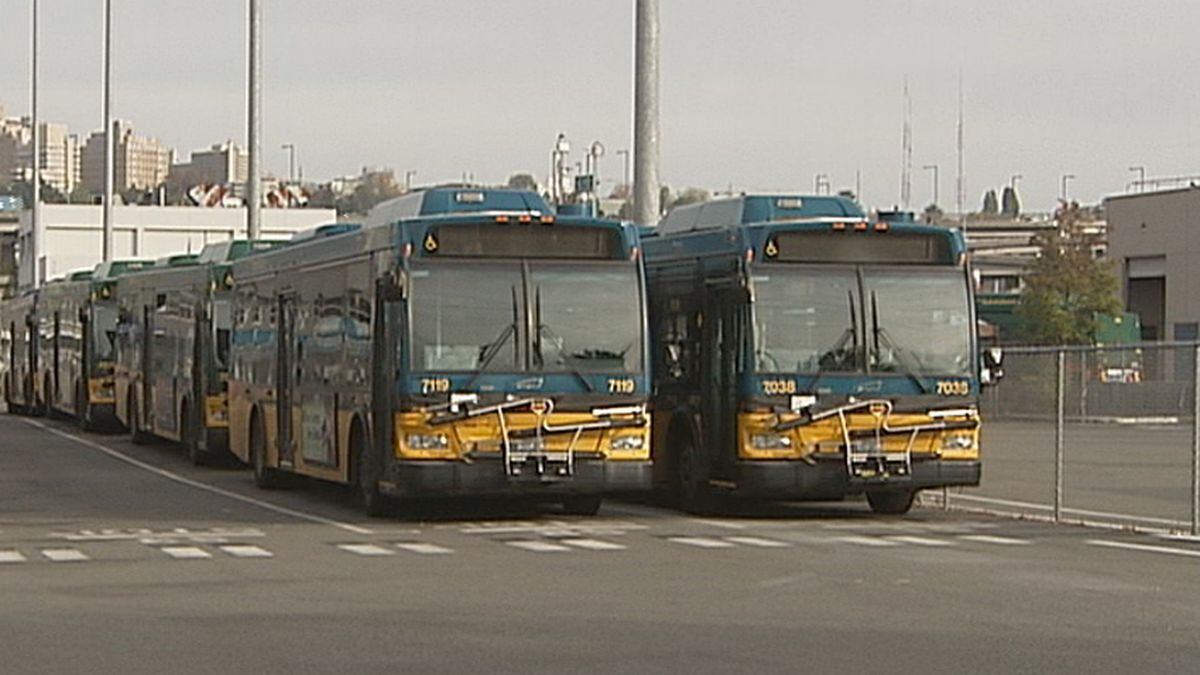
593 544
64 555
366 549
187 552
701 542
538 546
989 539
758 541
244 551
866 541
424 549
11 557
921 541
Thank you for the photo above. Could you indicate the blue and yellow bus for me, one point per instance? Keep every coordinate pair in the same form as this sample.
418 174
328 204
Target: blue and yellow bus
463 341
804 352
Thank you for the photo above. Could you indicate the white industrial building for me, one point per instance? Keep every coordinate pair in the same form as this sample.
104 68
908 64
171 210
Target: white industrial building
70 236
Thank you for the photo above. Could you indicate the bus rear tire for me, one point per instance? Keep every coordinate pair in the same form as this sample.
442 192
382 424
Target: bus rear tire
366 475
891 502
264 476
582 505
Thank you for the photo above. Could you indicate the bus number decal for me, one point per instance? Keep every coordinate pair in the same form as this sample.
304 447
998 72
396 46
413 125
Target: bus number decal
435 385
953 388
779 387
624 385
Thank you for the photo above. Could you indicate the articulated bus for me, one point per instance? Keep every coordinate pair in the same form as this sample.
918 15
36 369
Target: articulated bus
77 327
806 353
19 353
176 320
462 342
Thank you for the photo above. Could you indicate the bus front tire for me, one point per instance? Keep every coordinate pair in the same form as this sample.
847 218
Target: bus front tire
264 476
582 505
891 502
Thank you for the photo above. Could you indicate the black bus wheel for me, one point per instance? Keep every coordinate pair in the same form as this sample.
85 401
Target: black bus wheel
264 476
367 475
692 482
891 502
582 505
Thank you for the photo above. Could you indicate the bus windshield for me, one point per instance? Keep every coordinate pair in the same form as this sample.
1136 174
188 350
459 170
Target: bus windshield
907 321
588 318
466 317
918 321
469 317
104 331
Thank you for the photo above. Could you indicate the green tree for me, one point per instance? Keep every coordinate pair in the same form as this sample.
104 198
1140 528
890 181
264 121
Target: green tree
1010 205
991 206
1067 286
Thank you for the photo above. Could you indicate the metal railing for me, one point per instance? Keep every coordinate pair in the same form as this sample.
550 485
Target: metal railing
1102 435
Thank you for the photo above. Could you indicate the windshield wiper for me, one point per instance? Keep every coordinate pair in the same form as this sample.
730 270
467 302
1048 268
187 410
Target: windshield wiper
537 342
836 355
899 352
489 351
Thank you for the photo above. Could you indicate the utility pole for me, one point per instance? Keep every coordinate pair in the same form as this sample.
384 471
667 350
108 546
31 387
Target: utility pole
906 155
110 142
254 123
36 207
960 192
646 207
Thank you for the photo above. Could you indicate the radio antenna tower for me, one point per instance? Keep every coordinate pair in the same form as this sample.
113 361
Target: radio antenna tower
906 170
961 191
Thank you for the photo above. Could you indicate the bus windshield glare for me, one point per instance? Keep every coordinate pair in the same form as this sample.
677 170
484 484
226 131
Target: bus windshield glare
911 321
473 317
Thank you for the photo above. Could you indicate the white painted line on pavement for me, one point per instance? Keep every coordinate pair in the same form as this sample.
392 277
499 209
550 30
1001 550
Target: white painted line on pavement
11 557
989 539
1079 512
1146 548
242 551
593 544
759 542
728 525
921 541
64 555
186 552
424 549
866 541
366 549
118 455
701 542
538 546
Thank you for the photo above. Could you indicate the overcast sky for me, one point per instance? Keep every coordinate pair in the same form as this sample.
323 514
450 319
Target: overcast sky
757 94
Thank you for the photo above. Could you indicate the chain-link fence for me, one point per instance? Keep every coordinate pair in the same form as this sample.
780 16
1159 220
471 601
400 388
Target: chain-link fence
1097 434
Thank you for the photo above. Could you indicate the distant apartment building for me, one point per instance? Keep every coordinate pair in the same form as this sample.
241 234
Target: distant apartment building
223 164
141 163
58 156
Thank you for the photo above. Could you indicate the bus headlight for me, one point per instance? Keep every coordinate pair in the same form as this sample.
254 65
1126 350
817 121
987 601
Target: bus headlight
954 442
427 441
770 442
627 443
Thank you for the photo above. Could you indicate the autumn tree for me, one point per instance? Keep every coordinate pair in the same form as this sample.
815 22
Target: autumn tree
1067 286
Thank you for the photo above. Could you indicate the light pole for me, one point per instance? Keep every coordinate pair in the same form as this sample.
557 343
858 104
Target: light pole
36 174
646 206
291 150
1141 172
254 122
110 143
934 168
1066 178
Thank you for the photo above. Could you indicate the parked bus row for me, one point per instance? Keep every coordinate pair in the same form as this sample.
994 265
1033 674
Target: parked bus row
466 341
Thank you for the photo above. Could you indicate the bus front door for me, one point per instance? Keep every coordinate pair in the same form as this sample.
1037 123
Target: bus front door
721 341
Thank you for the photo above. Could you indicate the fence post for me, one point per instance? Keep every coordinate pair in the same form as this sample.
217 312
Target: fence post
1196 440
1083 385
1060 414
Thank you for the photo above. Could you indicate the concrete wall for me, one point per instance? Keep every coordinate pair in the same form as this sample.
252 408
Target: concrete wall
71 235
1162 224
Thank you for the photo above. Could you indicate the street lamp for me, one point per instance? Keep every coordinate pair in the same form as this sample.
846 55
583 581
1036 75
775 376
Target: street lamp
110 142
1066 178
934 168
36 177
254 121
291 150
1141 182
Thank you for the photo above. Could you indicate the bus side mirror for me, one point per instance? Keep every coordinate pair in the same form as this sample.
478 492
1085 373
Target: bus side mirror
993 370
